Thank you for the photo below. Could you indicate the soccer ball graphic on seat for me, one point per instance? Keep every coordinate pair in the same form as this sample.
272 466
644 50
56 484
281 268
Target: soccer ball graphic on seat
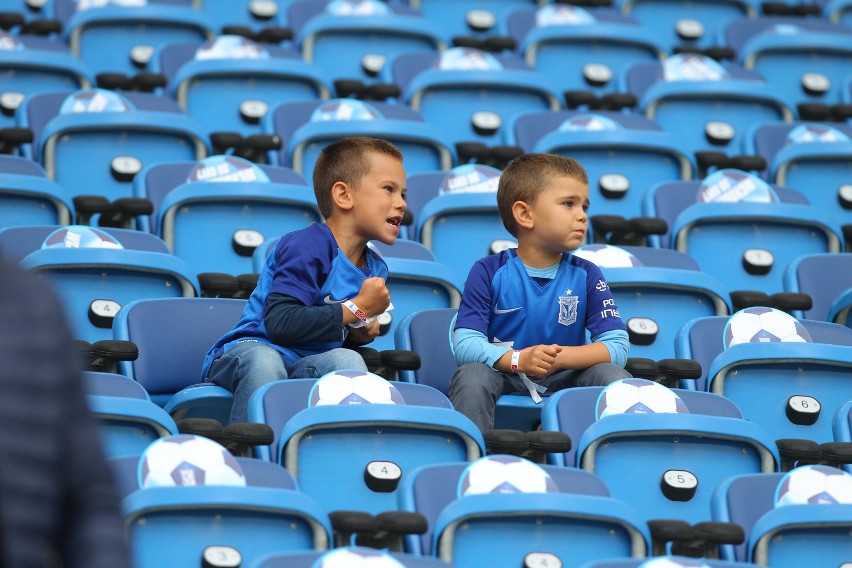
814 484
764 325
504 474
608 256
186 460
80 236
357 557
638 396
353 387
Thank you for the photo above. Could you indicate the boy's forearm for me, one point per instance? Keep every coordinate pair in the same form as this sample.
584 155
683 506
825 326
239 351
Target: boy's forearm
582 356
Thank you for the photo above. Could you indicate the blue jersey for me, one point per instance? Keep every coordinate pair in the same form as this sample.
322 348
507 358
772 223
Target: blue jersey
306 265
511 308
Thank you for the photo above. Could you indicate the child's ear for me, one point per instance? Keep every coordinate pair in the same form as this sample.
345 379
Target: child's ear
341 194
522 214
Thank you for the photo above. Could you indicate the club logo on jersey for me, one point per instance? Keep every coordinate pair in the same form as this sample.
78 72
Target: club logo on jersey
601 286
568 309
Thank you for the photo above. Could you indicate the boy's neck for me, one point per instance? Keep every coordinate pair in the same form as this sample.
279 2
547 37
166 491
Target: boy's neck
537 258
352 245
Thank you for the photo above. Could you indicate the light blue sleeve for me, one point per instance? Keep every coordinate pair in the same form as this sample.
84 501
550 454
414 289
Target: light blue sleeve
471 346
616 343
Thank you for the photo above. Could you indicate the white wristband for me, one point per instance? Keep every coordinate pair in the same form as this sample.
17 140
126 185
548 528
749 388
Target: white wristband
359 313
516 357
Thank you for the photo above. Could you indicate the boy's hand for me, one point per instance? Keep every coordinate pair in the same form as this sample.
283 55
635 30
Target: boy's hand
374 298
538 360
363 335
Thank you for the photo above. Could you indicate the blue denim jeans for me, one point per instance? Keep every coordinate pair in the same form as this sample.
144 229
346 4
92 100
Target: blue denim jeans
249 365
475 387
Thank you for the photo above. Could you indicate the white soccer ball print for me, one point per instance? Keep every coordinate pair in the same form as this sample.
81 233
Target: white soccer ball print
638 396
357 558
353 387
814 484
608 256
764 325
186 460
504 474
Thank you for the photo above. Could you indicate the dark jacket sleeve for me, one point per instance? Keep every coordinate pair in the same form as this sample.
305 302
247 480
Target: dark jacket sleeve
58 499
289 322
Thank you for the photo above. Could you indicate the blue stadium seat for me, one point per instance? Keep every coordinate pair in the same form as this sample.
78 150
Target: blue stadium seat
453 17
115 135
811 275
841 308
429 333
675 562
95 283
278 402
173 336
28 197
804 59
783 536
655 447
583 400
624 154
306 127
230 83
463 209
30 10
36 65
126 425
313 559
842 426
119 38
811 157
578 523
761 378
216 224
838 11
112 384
657 291
740 229
701 340
682 23
353 39
582 49
155 181
358 436
255 15
451 89
710 106
174 525
17 242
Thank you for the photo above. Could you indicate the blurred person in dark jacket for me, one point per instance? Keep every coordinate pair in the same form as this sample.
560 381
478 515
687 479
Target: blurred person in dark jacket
58 505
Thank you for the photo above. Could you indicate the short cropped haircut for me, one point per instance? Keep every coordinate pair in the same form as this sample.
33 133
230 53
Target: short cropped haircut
346 160
527 176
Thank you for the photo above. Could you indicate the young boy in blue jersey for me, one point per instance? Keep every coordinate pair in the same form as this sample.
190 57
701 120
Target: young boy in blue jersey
322 287
524 313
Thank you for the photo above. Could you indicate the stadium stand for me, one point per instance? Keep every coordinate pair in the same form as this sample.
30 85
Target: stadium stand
106 113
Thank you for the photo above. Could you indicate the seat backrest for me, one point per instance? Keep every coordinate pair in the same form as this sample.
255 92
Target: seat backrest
742 500
173 336
808 275
572 411
428 333
275 403
431 488
157 180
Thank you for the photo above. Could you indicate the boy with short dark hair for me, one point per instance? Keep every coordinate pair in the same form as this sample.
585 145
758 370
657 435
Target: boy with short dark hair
524 314
322 287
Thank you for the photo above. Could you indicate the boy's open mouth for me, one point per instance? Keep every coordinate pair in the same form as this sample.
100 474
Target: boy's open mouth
395 221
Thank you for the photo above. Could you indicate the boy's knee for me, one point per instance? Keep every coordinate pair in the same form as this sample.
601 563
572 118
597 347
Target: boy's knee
607 373
476 377
343 358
